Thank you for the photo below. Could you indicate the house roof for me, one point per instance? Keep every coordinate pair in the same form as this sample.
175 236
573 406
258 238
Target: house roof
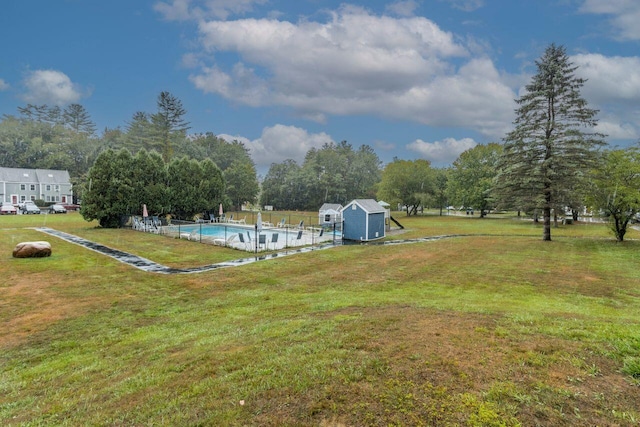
330 207
48 176
368 205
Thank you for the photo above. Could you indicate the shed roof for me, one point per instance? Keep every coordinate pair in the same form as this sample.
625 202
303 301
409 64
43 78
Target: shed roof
368 205
330 207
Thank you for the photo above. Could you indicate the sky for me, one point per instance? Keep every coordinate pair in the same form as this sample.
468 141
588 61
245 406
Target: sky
413 79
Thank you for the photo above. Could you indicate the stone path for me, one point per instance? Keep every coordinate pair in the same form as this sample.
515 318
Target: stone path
153 267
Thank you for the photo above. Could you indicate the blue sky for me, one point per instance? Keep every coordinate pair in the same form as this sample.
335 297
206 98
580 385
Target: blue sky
411 78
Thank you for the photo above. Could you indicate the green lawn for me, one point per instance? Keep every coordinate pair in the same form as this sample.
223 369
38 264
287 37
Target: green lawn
494 328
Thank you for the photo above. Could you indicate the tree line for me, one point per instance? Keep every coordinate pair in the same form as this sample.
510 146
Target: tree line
551 161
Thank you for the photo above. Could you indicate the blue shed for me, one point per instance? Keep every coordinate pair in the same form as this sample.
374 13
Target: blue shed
363 220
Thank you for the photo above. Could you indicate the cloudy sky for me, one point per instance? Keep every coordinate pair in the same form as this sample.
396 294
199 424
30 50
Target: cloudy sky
411 78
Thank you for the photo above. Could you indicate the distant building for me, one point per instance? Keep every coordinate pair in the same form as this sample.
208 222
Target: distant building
329 214
19 185
363 220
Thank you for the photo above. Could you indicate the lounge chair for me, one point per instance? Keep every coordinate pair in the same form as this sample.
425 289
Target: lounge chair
282 223
223 242
262 240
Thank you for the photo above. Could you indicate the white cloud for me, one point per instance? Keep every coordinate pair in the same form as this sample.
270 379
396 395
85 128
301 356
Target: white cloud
466 5
625 15
50 87
442 152
615 130
183 10
613 86
3 85
609 78
357 63
402 7
281 142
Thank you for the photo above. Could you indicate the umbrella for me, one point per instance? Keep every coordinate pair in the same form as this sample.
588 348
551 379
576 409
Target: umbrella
220 211
259 223
145 214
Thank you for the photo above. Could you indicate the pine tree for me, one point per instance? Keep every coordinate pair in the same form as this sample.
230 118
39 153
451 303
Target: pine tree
553 144
169 122
76 117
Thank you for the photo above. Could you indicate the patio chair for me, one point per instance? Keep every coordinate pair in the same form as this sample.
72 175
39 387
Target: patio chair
262 240
281 223
242 240
136 223
298 239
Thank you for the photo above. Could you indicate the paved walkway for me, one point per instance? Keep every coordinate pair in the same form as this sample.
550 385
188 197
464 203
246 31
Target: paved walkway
153 267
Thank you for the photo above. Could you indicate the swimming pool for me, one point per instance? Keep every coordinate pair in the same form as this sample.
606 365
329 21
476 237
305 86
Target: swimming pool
215 230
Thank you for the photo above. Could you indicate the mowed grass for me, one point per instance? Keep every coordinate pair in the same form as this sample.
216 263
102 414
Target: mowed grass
492 328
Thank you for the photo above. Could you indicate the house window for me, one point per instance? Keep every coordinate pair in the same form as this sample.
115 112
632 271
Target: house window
56 187
23 198
33 198
32 187
48 187
327 218
23 187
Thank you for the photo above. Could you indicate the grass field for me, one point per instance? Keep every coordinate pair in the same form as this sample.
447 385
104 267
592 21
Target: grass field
494 328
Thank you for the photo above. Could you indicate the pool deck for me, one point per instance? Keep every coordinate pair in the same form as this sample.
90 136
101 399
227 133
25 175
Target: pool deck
286 237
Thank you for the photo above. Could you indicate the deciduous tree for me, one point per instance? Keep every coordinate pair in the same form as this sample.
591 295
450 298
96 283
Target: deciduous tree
408 183
471 177
615 188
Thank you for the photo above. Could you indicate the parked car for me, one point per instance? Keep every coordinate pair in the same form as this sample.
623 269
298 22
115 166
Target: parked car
56 209
8 209
30 208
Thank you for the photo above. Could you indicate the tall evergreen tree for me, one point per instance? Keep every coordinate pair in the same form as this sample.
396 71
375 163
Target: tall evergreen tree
553 143
77 118
169 123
